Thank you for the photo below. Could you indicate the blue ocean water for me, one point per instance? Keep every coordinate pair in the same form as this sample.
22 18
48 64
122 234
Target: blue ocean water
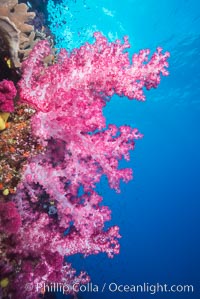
159 211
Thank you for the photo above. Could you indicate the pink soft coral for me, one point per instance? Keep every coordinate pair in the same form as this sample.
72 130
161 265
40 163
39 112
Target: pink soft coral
57 219
7 95
10 220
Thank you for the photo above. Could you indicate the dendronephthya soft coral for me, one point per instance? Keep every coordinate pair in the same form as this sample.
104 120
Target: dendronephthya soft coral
7 95
69 96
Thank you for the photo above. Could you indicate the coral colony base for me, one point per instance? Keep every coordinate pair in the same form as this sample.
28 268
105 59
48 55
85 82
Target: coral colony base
59 129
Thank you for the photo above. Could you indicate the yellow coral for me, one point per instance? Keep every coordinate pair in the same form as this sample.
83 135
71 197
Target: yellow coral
4 282
3 119
6 192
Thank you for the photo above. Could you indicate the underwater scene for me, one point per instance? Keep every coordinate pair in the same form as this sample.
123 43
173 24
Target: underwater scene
99 149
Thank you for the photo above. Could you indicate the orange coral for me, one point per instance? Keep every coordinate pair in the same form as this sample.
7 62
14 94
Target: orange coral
16 146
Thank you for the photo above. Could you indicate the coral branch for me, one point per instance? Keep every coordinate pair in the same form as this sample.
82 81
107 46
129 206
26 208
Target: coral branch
7 95
60 211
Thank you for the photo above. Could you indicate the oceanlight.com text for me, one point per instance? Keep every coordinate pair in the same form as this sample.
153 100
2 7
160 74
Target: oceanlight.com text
112 287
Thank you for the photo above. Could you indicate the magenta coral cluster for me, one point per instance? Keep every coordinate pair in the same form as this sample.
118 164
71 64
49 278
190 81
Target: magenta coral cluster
7 95
57 219
10 220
